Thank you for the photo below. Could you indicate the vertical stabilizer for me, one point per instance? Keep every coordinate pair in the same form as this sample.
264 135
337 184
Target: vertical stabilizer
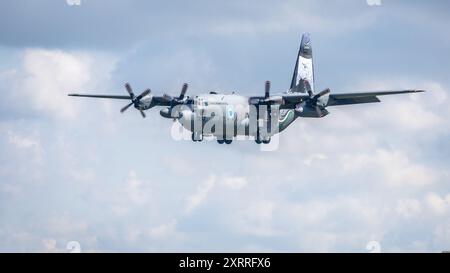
303 77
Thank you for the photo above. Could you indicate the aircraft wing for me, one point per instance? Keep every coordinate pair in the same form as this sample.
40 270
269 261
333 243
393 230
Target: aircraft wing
101 96
364 97
156 100
289 101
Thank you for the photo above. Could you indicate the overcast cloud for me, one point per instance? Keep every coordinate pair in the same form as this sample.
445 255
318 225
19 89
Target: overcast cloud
77 170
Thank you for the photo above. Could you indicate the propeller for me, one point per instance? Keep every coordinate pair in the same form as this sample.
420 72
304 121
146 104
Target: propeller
179 99
267 90
269 107
315 98
134 100
183 91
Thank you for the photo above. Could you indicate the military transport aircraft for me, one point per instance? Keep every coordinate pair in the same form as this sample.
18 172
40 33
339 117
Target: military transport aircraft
226 116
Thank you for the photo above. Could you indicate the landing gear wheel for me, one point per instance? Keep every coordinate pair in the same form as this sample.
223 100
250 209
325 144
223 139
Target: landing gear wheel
228 141
266 141
258 138
220 141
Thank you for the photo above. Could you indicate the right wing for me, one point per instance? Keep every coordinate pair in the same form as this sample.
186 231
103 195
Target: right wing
156 100
101 96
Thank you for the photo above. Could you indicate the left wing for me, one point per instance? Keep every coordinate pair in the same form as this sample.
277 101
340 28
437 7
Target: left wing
365 97
290 100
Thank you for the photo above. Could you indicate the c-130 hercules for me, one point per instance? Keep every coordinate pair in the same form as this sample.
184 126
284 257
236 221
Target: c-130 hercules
226 116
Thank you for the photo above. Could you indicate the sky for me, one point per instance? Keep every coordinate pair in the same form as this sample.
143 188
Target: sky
76 170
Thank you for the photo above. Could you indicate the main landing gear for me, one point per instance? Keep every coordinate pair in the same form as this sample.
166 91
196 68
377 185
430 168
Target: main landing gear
226 141
260 140
263 141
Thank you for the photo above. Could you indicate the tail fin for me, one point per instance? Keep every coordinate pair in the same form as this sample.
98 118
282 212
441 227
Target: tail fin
303 77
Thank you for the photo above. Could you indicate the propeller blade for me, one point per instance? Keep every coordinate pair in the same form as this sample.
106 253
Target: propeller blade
126 107
142 113
322 93
129 90
167 98
308 89
145 93
267 89
319 111
183 91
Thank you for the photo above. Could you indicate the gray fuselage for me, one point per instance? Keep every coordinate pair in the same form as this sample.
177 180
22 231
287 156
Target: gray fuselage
231 115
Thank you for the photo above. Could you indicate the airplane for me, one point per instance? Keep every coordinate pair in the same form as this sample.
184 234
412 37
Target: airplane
227 116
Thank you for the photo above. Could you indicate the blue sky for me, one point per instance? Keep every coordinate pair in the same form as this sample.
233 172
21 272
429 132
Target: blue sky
78 170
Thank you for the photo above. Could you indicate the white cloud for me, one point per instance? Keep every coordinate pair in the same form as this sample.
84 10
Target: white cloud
196 199
257 219
163 231
392 168
442 235
294 15
10 188
47 76
335 184
49 245
29 142
415 112
235 183
136 190
408 208
438 204
65 224
314 158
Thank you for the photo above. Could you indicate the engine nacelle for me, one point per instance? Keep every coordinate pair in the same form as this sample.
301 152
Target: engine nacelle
166 113
306 111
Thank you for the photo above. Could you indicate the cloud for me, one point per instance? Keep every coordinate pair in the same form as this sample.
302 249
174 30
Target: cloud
438 204
423 111
235 183
137 192
49 245
196 199
363 173
392 168
314 158
66 224
24 142
73 26
408 208
257 219
162 231
45 77
29 142
294 15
